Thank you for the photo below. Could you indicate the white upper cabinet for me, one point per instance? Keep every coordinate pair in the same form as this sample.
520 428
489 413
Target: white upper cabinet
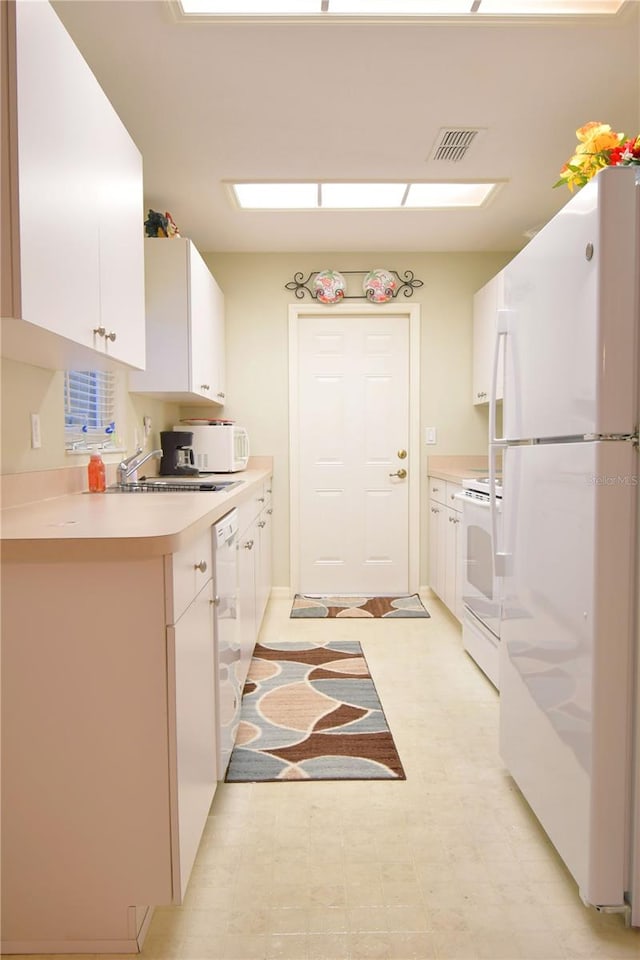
185 326
486 303
74 185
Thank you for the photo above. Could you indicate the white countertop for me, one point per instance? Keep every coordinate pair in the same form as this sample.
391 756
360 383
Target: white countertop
112 525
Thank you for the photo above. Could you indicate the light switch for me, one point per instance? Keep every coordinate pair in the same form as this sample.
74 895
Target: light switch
430 435
36 439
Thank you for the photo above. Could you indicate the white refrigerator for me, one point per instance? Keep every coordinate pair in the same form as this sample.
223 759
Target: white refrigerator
568 542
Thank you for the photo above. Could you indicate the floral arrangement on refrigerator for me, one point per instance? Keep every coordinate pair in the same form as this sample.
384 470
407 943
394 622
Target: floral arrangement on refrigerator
598 146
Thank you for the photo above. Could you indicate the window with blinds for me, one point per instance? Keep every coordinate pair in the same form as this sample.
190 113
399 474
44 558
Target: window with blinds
90 409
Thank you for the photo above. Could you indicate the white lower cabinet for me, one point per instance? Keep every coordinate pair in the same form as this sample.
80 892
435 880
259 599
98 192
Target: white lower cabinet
108 744
445 548
190 647
254 563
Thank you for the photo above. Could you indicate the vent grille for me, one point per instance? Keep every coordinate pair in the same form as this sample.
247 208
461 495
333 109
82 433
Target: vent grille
453 143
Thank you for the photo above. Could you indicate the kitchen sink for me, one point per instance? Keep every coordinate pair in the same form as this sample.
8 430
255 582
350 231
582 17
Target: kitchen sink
174 485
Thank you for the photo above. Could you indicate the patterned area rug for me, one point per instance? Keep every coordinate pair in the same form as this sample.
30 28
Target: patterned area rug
312 712
358 607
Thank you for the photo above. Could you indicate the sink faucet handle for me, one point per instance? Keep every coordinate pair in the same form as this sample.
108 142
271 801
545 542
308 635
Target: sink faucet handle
133 456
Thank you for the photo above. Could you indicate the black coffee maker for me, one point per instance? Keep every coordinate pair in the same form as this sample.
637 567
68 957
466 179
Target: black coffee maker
178 459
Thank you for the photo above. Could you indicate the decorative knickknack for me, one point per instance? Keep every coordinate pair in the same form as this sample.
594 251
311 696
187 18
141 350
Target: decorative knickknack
160 225
329 286
598 146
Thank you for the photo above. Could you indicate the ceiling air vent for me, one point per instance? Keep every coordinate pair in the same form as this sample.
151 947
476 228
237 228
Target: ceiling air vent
453 143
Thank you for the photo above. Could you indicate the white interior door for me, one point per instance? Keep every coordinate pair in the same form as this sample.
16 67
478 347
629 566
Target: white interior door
351 433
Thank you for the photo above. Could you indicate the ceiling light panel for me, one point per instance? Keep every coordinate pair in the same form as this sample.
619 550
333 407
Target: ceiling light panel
448 194
267 8
370 196
545 8
276 196
401 8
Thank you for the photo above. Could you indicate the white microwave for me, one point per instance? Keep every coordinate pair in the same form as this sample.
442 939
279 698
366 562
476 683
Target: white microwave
219 447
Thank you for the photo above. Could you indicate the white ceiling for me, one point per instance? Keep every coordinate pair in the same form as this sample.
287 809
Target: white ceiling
208 102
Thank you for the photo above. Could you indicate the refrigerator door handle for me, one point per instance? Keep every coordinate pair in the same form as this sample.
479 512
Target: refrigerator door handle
496 443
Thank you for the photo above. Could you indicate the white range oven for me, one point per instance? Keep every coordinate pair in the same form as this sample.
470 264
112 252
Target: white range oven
481 588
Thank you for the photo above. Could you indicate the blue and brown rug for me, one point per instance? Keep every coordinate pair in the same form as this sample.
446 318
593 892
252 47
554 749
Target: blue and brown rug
358 607
312 712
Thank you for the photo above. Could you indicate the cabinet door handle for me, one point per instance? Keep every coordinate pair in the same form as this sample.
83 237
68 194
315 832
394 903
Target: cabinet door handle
100 331
262 523
205 386
248 545
269 511
202 566
435 489
220 394
110 336
434 510
260 499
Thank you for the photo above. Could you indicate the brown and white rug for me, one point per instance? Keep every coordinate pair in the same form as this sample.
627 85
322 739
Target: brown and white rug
358 607
312 712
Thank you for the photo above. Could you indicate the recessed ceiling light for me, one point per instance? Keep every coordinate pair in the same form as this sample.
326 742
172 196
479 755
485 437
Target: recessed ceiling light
398 8
360 196
277 196
448 194
268 8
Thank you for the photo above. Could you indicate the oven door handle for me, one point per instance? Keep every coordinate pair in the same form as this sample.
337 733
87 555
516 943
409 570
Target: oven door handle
496 443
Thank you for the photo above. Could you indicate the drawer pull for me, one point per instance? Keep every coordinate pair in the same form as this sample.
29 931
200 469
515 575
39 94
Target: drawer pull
248 545
260 499
202 566
262 523
270 511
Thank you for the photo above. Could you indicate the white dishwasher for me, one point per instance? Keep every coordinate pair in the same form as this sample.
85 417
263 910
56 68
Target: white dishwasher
227 637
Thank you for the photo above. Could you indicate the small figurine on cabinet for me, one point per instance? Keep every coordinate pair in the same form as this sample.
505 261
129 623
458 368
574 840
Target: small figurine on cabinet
160 225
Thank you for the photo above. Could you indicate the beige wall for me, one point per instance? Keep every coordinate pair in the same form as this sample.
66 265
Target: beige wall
257 370
26 390
256 303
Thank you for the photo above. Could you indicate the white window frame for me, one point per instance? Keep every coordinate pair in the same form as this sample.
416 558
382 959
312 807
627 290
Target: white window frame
92 410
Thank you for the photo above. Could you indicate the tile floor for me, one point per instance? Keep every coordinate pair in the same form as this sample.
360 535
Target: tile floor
448 864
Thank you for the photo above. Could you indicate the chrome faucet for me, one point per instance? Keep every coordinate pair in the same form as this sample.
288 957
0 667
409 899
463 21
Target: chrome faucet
129 466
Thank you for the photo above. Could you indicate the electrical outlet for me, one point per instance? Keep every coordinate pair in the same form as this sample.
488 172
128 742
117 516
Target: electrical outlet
36 439
430 435
146 423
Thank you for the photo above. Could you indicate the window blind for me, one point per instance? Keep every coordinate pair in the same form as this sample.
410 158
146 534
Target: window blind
89 408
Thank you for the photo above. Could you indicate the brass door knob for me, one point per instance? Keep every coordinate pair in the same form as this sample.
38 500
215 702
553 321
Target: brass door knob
402 454
401 473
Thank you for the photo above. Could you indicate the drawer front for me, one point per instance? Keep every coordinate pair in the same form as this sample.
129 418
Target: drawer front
437 490
191 568
250 508
451 490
